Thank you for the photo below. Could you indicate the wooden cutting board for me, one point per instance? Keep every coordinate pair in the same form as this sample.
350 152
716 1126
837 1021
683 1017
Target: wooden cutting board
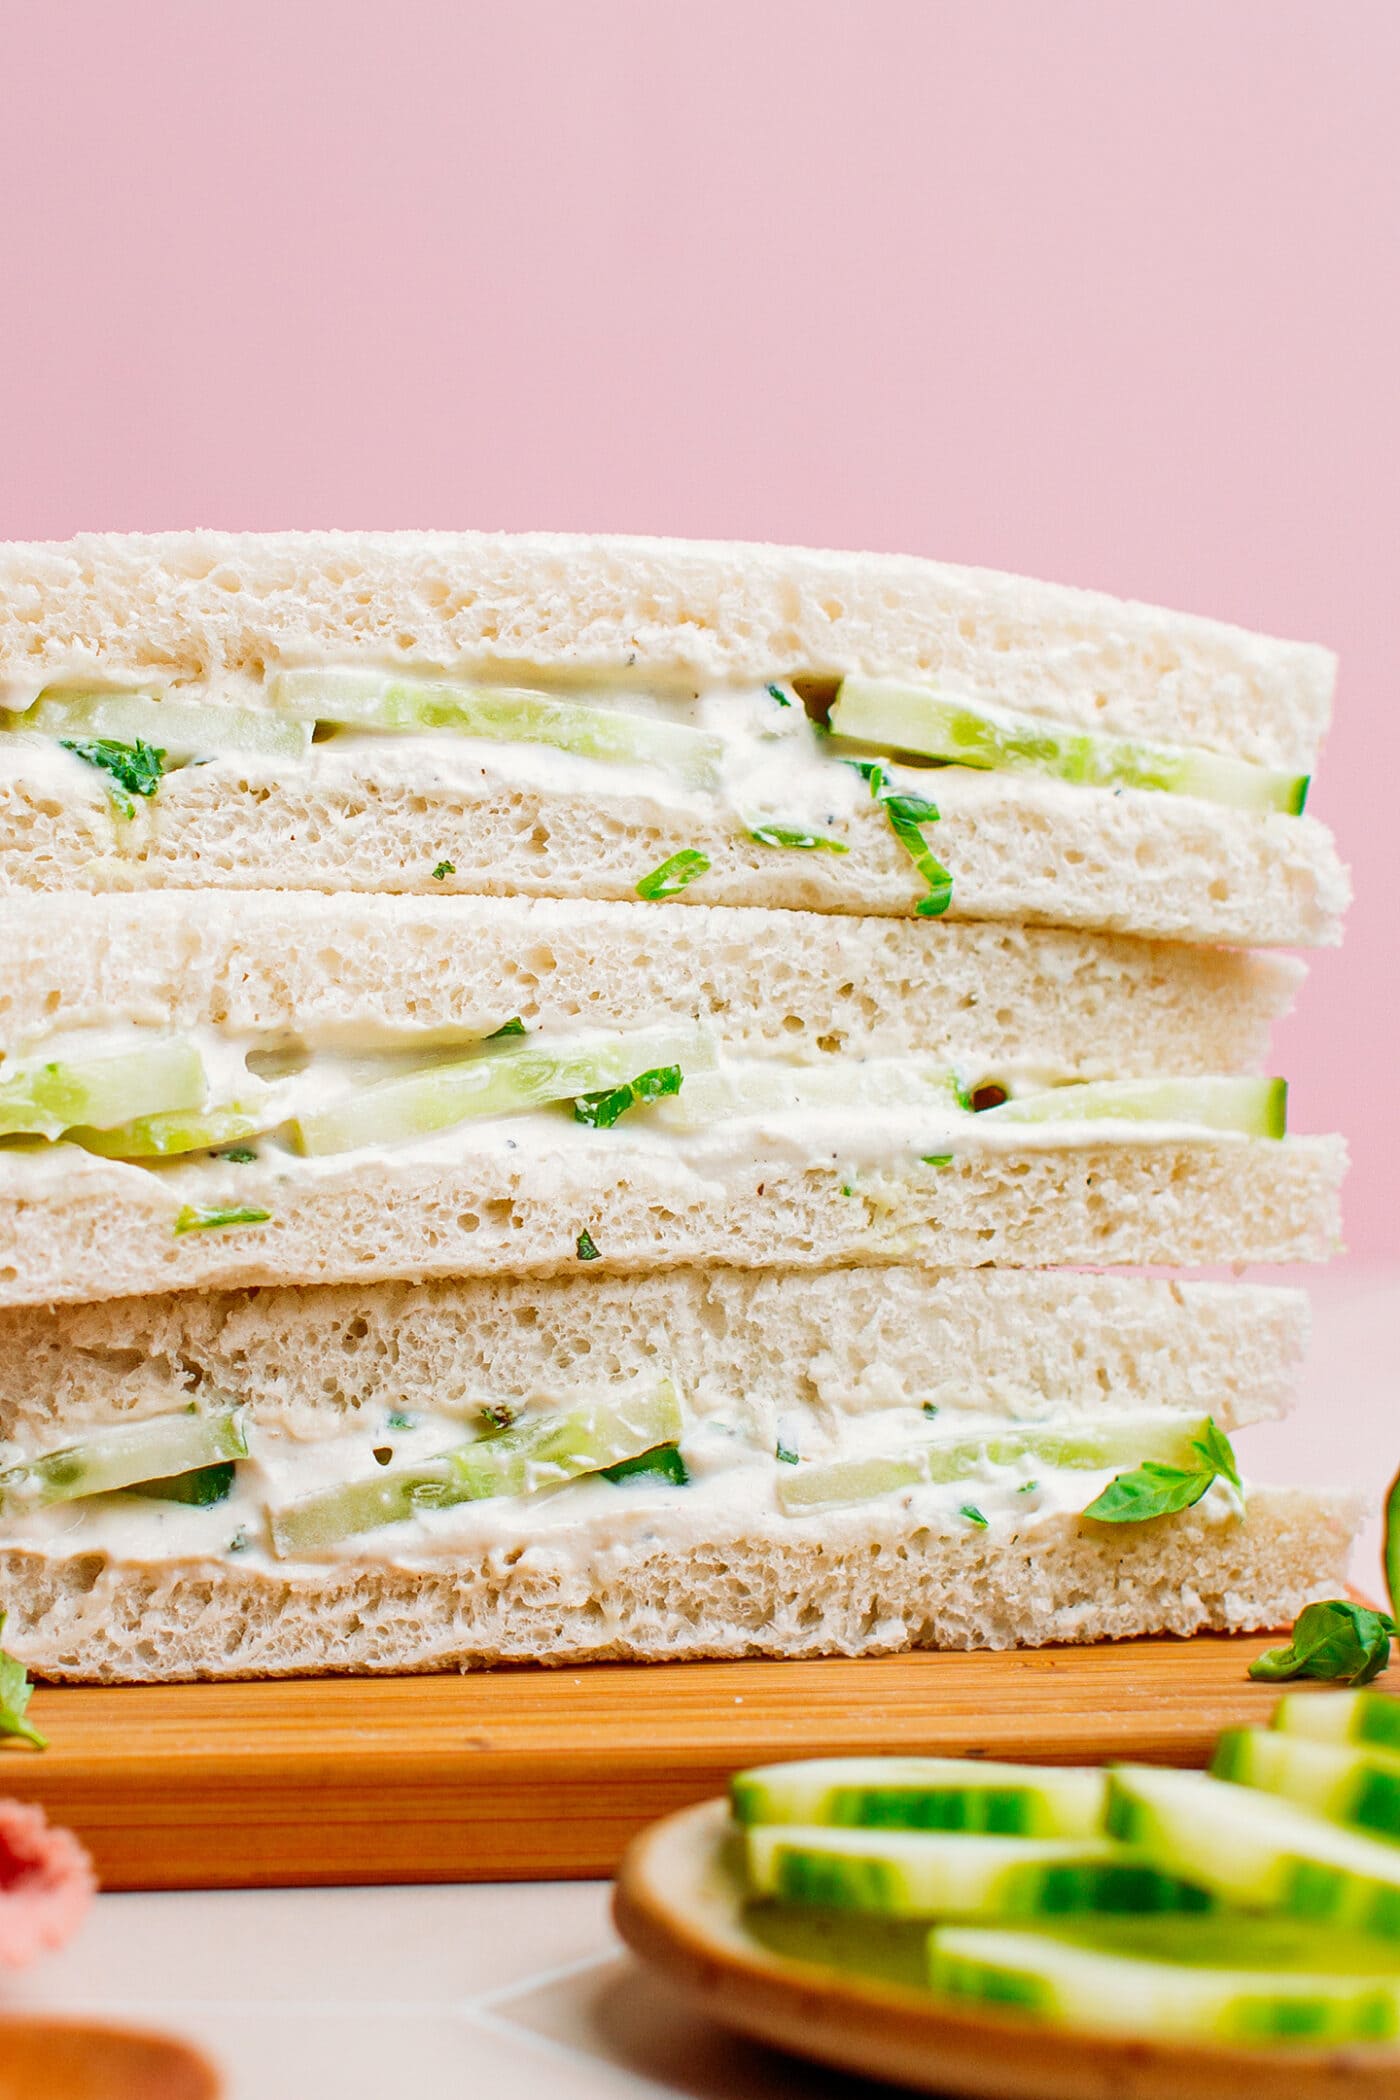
533 1774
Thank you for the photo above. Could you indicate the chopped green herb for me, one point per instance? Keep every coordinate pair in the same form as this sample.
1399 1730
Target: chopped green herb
196 1218
443 869
15 1694
499 1414
1157 1490
1028 1487
586 1249
775 692
973 1515
396 1419
930 1407
132 769
776 835
907 813
239 1157
664 1462
846 1189
786 1456
514 1026
673 875
936 1159
1338 1640
601 1111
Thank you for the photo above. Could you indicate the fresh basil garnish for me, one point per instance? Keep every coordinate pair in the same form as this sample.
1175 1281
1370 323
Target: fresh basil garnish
1154 1489
131 769
1343 1642
907 815
15 1694
601 1111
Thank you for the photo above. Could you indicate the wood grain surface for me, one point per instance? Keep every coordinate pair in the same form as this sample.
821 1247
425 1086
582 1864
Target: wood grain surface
679 1905
534 1774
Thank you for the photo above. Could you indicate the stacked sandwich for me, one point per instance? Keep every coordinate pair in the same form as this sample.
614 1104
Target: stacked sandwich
574 1098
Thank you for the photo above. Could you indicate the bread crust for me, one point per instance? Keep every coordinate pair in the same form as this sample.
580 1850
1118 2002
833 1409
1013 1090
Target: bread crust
202 605
745 1345
856 1583
982 995
75 1227
1156 865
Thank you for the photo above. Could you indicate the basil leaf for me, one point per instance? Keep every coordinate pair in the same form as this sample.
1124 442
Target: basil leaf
1217 1454
15 1694
1342 1642
132 769
1392 1545
514 1026
1151 1490
973 1515
584 1246
601 1111
673 875
775 692
443 869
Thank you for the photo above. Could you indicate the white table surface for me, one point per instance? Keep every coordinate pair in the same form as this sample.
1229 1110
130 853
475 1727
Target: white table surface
521 1990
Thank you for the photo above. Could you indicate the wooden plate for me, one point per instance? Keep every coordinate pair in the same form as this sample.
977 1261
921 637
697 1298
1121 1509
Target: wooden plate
679 1906
69 2060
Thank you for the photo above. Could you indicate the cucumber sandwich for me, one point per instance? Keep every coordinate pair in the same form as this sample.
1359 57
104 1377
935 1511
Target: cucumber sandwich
691 724
421 1247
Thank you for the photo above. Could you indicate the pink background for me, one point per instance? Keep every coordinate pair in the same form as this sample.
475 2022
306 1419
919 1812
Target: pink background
1098 290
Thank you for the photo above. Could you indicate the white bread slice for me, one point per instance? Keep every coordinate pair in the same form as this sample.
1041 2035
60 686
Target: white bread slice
854 1582
311 1363
207 605
798 983
76 1227
1019 848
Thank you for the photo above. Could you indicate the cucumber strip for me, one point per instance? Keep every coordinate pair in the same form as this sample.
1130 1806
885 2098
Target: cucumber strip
386 700
1357 1788
1372 1718
768 1088
1255 1107
166 1136
924 1793
201 1489
1255 1849
1224 1979
519 1074
134 1454
844 1481
46 1099
180 728
534 1454
917 1874
920 720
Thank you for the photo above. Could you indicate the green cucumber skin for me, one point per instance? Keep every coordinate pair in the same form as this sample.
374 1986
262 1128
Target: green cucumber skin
958 1875
932 1794
543 1452
1371 1718
1061 1983
1253 1107
885 713
200 1489
1222 1846
129 1457
1345 1785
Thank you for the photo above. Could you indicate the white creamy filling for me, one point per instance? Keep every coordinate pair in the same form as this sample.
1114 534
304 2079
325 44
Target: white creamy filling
732 1485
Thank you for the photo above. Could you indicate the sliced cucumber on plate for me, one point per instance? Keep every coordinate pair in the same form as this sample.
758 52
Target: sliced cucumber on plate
1220 1979
1357 1787
924 1793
